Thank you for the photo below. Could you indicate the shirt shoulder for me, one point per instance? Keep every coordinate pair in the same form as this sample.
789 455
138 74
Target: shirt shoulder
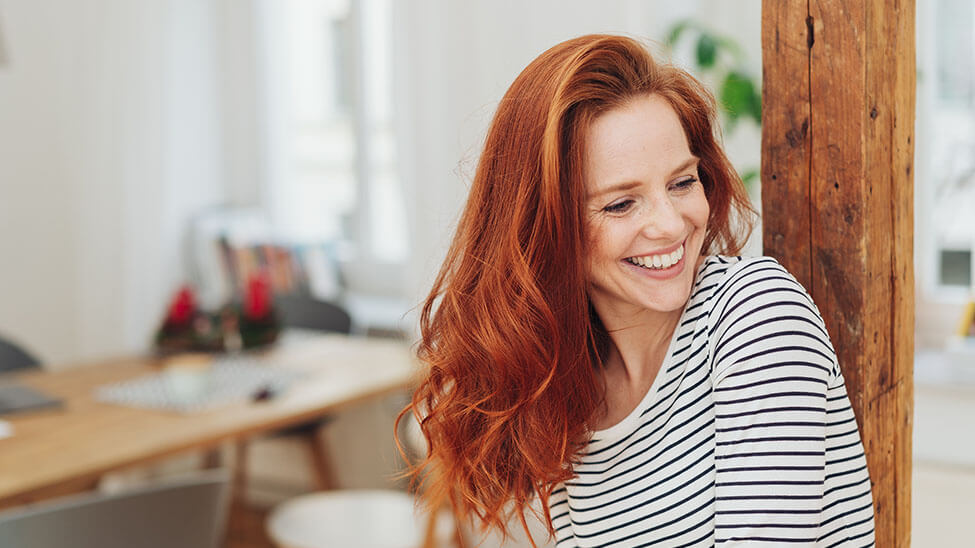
757 297
711 274
719 272
743 277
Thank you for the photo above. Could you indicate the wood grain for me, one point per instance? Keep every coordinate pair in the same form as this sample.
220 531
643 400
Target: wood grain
859 210
786 140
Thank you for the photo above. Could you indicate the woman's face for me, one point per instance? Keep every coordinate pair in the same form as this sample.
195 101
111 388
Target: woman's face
647 212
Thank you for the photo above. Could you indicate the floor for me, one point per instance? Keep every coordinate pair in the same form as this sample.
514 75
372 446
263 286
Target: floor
943 504
245 528
943 490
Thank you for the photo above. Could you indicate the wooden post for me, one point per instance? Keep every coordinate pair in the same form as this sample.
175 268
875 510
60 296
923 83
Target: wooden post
837 200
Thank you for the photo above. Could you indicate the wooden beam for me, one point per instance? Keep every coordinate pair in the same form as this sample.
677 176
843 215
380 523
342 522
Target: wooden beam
837 200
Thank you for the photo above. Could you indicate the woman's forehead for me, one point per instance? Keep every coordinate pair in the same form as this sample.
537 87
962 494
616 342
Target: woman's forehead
639 140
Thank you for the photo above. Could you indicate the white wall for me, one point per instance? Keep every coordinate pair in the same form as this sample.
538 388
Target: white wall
37 212
110 137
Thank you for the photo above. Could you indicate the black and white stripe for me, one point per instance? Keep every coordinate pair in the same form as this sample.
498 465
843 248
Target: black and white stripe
746 436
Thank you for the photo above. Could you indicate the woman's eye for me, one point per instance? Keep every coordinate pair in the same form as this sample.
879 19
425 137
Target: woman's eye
685 184
619 207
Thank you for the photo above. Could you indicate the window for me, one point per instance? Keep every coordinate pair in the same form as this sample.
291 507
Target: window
944 168
332 165
945 148
956 268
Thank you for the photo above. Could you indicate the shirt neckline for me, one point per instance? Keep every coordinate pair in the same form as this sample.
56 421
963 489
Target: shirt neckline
624 425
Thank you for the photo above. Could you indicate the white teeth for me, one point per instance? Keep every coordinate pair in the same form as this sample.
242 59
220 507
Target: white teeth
659 261
677 254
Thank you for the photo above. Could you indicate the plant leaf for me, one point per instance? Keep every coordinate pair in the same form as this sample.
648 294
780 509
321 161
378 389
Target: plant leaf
673 35
738 96
707 51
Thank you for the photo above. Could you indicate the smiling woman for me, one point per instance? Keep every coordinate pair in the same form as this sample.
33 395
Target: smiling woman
645 236
593 346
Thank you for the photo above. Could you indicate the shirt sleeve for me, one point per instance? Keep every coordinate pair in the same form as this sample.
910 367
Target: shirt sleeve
558 506
780 403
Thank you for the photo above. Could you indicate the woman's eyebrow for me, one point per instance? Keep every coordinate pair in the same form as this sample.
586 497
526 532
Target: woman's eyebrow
692 161
618 187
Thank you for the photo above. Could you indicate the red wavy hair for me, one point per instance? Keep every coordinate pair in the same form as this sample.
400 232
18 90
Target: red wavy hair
511 343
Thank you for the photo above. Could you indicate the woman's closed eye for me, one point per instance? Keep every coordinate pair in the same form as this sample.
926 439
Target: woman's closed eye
684 184
621 206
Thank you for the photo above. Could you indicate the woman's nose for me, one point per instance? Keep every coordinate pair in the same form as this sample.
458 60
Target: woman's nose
662 221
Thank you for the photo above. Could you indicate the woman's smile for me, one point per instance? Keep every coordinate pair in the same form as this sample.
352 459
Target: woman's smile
659 261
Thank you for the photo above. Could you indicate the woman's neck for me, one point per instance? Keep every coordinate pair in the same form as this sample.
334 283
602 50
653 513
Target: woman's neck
634 357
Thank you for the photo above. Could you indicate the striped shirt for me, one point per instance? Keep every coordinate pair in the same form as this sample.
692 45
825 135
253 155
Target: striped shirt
745 437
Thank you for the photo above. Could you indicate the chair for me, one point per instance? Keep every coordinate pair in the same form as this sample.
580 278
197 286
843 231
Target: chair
309 313
304 312
14 358
189 513
364 518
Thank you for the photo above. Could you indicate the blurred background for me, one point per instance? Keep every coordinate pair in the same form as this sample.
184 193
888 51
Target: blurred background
144 144
130 129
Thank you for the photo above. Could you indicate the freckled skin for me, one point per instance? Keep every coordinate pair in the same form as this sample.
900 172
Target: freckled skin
644 196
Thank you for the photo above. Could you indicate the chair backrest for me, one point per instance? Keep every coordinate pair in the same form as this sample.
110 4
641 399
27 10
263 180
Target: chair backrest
309 313
189 513
13 357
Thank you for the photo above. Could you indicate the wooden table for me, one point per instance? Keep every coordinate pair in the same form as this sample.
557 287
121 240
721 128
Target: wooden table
53 452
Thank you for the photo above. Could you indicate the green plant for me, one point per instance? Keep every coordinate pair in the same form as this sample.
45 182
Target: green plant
723 60
739 92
